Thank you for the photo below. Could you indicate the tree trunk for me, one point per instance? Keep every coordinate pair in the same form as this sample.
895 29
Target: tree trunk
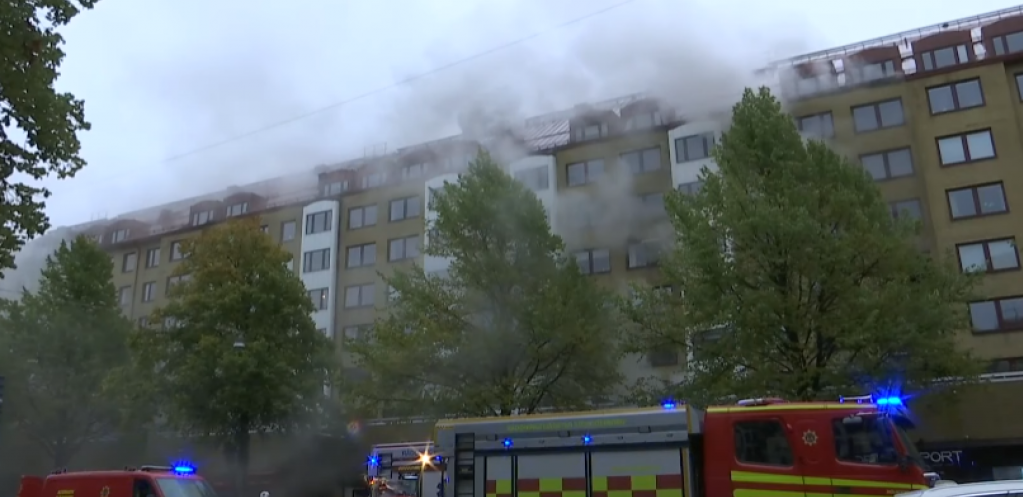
241 445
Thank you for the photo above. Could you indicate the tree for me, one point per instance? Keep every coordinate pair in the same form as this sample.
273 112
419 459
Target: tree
38 137
239 350
795 280
62 340
512 327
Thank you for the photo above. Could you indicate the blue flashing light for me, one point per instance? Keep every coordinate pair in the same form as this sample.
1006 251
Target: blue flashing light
183 469
668 405
507 443
888 401
373 460
587 439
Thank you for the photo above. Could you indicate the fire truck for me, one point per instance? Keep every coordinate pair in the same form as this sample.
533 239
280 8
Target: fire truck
147 481
755 448
404 469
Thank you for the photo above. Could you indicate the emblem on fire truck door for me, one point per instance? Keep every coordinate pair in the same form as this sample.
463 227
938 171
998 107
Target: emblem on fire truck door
810 437
104 492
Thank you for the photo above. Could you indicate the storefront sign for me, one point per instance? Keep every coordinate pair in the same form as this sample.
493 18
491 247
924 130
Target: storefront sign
943 457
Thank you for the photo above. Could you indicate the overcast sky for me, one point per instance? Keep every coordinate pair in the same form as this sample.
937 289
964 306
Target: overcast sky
162 78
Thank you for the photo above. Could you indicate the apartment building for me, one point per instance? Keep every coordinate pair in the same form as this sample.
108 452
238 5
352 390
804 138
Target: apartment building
935 115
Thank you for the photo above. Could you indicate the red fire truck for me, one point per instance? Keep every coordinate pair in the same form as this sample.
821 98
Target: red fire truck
147 481
756 448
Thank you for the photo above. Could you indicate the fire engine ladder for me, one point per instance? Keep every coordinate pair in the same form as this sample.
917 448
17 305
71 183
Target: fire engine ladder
463 477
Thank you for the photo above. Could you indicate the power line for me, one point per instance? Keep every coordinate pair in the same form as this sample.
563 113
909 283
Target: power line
382 89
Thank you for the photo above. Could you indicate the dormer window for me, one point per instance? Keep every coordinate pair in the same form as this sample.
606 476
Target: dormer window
413 171
812 85
335 188
238 209
589 131
201 218
1010 43
877 70
945 57
643 120
119 236
96 238
372 180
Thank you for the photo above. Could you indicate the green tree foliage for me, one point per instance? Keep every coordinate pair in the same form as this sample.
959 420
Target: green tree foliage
794 279
61 342
38 137
511 327
238 350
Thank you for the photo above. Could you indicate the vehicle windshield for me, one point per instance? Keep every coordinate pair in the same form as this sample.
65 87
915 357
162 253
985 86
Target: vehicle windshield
399 488
865 439
185 487
911 451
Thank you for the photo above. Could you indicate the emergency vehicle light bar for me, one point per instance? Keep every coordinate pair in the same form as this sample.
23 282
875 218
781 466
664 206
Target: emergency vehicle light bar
759 402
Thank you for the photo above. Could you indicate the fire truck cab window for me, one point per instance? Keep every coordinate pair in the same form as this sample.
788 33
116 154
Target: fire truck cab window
866 440
762 442
142 488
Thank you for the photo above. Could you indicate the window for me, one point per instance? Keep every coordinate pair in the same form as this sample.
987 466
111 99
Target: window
119 236
817 125
320 298
175 251
392 294
316 260
1006 365
945 57
997 315
130 262
955 96
969 147
143 322
265 228
877 70
148 291
1006 44
642 161
988 256
888 165
535 178
174 280
237 209
124 295
362 255
594 261
361 217
660 358
975 201
582 173
868 441
372 180
643 254
153 257
403 248
652 204
318 222
907 209
762 442
643 120
201 218
879 115
335 188
693 147
404 208
360 296
691 188
288 231
357 332
585 132
413 171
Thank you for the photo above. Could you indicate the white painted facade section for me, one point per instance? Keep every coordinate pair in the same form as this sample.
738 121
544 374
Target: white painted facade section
327 278
434 264
683 171
527 169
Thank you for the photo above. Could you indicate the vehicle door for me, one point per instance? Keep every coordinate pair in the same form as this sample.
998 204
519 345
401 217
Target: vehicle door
765 456
865 454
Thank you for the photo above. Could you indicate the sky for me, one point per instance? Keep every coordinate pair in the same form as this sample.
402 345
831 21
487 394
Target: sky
164 80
